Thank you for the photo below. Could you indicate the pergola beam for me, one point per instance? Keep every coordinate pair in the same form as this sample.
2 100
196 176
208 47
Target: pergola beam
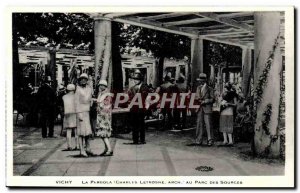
233 15
155 26
241 39
163 16
233 43
115 15
184 22
220 33
205 28
236 35
224 20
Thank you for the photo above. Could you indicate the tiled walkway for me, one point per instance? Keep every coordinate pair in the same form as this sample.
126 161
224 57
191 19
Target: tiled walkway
165 154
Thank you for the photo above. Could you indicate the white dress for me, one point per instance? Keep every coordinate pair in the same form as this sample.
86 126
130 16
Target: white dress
83 97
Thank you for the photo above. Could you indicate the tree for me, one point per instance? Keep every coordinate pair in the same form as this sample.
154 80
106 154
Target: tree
71 30
217 54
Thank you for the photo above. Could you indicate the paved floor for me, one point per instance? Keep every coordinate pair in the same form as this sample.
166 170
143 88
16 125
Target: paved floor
165 154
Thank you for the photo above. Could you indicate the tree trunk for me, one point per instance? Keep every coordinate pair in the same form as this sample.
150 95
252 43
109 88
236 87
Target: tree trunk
266 141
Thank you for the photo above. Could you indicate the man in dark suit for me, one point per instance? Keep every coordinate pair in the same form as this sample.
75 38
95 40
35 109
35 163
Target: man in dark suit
205 97
46 97
182 88
168 89
137 112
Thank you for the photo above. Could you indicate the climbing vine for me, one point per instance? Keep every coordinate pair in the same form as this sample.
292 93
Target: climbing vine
262 80
267 117
258 97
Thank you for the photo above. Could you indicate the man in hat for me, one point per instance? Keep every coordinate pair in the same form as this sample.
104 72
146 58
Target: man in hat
136 112
182 87
205 97
46 100
83 98
168 89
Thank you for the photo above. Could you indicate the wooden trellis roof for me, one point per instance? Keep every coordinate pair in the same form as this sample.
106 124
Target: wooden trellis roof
235 28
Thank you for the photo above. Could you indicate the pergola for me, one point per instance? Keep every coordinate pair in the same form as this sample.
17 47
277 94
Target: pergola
262 32
233 28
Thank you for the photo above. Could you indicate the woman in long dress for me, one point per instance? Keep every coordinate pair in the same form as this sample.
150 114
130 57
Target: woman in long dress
103 126
228 103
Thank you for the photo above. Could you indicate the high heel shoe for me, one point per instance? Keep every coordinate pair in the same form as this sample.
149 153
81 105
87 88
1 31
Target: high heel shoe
103 153
89 153
108 153
83 155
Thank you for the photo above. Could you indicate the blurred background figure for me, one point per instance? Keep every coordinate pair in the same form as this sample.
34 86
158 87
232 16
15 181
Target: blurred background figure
180 113
166 87
46 99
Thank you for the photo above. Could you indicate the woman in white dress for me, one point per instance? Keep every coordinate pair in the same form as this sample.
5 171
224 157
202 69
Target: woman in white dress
83 97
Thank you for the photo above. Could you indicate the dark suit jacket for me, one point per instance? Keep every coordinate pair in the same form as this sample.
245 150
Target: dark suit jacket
143 90
205 95
46 98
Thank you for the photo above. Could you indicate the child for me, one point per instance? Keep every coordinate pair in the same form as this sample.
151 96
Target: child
70 116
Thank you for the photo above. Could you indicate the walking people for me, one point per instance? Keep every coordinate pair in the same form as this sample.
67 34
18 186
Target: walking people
205 97
69 121
228 103
137 114
83 98
103 125
46 99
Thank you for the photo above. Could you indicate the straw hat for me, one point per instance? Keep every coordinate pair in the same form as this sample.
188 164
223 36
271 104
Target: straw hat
202 76
70 87
84 75
103 82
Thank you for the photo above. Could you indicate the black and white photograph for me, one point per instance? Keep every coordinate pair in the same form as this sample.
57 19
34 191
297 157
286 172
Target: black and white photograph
161 98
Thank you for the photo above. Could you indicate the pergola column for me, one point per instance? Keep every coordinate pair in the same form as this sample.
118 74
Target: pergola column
267 30
196 58
246 64
103 59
